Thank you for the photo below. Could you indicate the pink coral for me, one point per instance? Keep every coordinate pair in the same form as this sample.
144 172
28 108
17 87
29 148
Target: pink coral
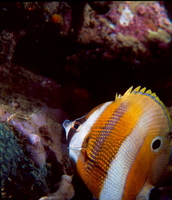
132 19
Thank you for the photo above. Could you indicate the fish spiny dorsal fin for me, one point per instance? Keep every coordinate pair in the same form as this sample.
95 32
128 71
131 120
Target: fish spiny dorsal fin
143 91
154 96
148 92
129 90
117 96
137 89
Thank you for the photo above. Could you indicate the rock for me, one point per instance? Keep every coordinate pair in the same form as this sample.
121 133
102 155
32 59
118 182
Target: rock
64 192
20 178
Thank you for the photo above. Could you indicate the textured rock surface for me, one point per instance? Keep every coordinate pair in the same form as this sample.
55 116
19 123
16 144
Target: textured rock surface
58 60
20 179
64 192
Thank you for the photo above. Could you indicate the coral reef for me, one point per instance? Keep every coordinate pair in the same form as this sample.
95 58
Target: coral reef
58 60
36 131
131 25
18 174
7 46
65 191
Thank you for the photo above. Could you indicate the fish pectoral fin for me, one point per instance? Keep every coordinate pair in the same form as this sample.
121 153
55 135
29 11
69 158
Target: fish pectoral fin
144 194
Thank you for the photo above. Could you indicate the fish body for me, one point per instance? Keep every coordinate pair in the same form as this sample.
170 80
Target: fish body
121 149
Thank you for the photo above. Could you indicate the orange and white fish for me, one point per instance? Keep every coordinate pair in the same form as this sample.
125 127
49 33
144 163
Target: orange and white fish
121 149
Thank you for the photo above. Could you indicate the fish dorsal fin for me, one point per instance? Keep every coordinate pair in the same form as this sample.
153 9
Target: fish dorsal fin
117 96
136 89
139 90
126 93
129 90
143 91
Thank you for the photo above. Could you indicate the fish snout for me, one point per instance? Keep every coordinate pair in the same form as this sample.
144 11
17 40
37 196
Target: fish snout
66 123
67 126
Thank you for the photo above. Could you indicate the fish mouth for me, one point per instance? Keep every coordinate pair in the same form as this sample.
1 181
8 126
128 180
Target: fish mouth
66 123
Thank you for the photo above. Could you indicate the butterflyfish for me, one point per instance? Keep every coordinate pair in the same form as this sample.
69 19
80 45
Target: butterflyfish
121 148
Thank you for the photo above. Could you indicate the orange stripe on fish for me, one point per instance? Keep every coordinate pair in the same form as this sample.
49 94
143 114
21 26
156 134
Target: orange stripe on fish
121 148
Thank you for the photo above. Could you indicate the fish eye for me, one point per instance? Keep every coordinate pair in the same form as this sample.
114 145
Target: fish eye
156 144
76 125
